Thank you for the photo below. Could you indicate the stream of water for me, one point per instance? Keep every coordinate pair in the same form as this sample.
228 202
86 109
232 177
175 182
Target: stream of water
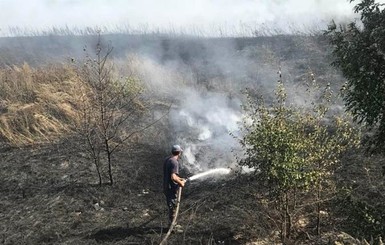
215 171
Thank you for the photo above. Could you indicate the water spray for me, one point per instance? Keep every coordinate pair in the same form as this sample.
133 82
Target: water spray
216 171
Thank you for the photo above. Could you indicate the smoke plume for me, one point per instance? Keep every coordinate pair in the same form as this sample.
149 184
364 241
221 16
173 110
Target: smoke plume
202 17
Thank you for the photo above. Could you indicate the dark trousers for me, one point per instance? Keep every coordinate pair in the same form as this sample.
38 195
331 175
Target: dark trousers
171 199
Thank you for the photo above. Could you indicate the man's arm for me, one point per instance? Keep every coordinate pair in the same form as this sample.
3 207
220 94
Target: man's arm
180 181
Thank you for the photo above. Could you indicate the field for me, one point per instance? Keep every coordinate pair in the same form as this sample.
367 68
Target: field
185 90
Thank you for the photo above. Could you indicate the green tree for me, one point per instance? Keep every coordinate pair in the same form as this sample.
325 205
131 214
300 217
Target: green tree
359 51
294 152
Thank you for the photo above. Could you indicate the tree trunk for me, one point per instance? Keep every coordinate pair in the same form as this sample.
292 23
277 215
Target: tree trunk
96 162
319 210
109 161
283 215
288 216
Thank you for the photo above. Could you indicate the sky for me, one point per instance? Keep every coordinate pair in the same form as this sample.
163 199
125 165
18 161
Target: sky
206 16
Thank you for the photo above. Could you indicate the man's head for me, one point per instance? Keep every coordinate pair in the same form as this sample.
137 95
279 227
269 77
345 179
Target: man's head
176 150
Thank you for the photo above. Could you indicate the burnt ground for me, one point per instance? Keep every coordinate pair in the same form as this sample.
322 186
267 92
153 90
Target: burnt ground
50 195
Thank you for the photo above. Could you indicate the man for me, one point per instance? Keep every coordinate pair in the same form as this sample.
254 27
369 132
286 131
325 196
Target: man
171 180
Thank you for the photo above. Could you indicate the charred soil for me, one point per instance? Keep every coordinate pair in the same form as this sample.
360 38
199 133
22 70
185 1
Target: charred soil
50 195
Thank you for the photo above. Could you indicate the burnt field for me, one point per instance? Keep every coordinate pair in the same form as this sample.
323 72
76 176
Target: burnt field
61 185
49 198
50 195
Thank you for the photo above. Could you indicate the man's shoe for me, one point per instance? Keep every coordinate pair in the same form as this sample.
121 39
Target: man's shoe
178 228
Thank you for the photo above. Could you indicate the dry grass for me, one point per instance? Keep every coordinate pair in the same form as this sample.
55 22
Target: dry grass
38 104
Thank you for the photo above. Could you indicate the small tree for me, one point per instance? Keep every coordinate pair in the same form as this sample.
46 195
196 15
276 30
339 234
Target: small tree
359 51
293 151
111 108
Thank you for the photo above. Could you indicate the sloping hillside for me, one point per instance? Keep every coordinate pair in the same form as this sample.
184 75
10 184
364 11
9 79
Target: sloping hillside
192 94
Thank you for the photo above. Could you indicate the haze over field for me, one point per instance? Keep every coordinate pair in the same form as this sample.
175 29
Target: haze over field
184 63
203 17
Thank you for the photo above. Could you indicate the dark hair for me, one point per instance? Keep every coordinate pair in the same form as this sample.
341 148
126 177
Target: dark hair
175 153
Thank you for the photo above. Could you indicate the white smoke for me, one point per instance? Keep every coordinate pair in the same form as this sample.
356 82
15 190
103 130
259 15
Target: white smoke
200 120
218 17
203 123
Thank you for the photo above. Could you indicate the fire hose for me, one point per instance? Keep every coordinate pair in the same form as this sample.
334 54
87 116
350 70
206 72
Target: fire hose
200 175
164 241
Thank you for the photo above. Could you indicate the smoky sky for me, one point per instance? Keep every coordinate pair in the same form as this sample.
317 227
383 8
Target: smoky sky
201 117
205 16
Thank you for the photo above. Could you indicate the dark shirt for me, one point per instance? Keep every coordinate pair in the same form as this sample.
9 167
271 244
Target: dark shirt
170 166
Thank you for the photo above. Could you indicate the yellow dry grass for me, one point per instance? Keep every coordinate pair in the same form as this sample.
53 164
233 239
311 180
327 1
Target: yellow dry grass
38 104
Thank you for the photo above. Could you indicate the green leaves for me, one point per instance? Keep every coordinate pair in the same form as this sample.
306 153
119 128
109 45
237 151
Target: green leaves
290 147
359 53
295 151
